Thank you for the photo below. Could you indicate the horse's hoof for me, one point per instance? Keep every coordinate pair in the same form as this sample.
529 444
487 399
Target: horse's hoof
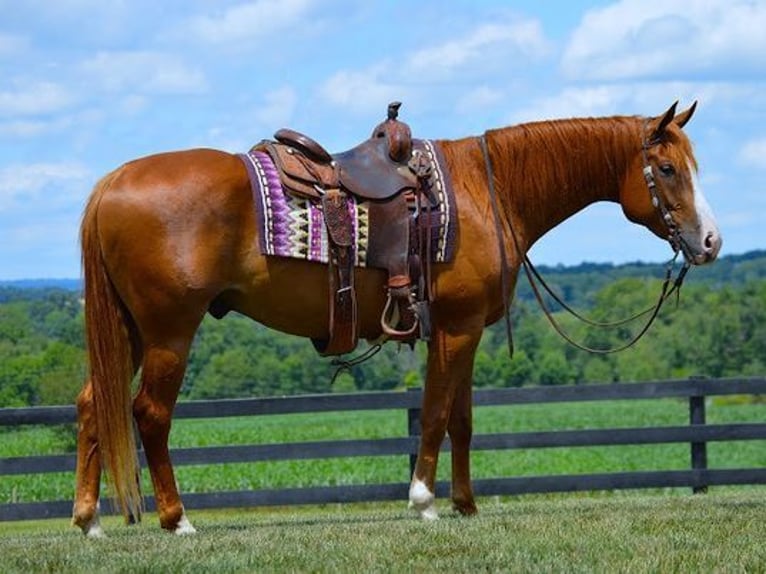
184 527
94 532
465 508
91 528
422 501
88 521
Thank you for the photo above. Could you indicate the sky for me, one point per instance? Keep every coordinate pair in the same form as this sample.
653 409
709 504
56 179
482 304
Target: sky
87 85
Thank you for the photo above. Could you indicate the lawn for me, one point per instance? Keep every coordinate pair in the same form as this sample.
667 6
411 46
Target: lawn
638 533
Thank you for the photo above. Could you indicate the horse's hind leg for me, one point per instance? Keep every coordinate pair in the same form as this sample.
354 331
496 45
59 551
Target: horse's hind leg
85 512
162 374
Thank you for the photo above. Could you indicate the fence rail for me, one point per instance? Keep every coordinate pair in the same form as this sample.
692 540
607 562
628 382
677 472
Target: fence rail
697 434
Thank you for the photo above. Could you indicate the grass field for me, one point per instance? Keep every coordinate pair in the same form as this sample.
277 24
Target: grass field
636 534
379 424
604 532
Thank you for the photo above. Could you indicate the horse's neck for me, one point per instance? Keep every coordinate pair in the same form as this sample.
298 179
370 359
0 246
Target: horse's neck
548 171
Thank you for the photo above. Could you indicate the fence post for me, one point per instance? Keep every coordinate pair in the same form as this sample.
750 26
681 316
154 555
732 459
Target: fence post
698 449
413 429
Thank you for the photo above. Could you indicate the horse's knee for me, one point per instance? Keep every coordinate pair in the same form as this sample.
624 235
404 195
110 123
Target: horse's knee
163 372
433 430
153 419
86 407
85 398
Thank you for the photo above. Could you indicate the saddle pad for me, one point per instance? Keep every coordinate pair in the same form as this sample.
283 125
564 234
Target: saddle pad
291 226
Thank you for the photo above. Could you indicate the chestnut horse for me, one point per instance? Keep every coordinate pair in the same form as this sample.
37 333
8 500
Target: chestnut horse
166 237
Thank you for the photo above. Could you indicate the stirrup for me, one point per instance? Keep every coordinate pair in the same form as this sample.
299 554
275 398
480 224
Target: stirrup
388 313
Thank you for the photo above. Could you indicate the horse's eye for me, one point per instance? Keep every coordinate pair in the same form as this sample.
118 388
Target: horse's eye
667 170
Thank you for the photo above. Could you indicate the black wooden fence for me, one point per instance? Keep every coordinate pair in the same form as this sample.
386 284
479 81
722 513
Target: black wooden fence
697 434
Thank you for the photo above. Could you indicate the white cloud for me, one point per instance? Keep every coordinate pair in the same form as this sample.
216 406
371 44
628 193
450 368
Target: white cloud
487 50
32 98
144 72
53 183
248 21
574 103
39 244
672 38
753 153
492 44
478 98
637 98
12 44
252 120
364 91
24 128
133 104
278 107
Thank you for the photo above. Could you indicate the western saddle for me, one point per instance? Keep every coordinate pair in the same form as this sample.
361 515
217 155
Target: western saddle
386 172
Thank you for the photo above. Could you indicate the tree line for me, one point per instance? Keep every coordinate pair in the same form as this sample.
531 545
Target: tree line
717 329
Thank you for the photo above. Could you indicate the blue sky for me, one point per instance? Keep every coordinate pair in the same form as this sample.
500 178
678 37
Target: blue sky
86 85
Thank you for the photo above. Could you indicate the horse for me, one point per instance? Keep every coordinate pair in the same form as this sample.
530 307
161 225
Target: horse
168 237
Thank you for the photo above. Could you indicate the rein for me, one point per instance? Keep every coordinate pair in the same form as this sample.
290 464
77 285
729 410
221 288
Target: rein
674 238
504 272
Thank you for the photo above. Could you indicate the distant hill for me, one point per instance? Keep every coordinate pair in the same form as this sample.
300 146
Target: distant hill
578 284
67 284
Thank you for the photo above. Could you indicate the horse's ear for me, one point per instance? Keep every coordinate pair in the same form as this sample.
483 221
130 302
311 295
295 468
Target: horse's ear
664 121
683 118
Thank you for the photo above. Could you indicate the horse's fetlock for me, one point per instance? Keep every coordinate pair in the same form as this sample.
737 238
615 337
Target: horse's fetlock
85 517
171 516
422 500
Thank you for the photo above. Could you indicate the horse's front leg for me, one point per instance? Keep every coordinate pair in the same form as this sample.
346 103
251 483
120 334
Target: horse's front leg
460 429
448 376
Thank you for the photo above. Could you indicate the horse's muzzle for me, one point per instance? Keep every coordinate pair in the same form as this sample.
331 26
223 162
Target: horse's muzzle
702 249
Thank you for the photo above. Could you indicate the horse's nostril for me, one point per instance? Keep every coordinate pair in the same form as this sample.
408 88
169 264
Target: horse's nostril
710 241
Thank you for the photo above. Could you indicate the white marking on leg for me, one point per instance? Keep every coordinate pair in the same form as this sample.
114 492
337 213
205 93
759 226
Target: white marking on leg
184 527
92 528
422 500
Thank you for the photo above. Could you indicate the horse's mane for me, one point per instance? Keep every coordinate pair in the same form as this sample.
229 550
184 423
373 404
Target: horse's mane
571 161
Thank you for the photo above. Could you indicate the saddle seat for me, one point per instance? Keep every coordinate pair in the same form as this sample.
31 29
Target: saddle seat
377 169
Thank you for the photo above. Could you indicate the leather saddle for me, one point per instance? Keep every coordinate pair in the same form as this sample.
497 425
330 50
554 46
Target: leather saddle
375 170
379 170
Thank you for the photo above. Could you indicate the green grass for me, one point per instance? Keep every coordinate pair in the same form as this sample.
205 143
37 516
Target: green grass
378 424
711 533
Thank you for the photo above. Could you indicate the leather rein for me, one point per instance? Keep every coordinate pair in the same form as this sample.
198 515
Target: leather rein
534 277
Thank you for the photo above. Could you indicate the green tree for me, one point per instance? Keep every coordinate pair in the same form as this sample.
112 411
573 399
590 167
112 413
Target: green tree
554 369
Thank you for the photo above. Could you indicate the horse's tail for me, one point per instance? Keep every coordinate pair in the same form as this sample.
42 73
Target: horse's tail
107 324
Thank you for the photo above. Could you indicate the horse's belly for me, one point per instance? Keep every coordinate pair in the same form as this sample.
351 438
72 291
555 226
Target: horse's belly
293 297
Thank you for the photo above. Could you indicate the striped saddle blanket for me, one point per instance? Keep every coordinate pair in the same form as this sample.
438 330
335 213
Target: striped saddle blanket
292 226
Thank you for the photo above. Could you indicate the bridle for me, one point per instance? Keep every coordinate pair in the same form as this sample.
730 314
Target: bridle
674 238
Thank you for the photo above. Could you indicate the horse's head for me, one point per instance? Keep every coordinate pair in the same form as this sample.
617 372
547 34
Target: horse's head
661 191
